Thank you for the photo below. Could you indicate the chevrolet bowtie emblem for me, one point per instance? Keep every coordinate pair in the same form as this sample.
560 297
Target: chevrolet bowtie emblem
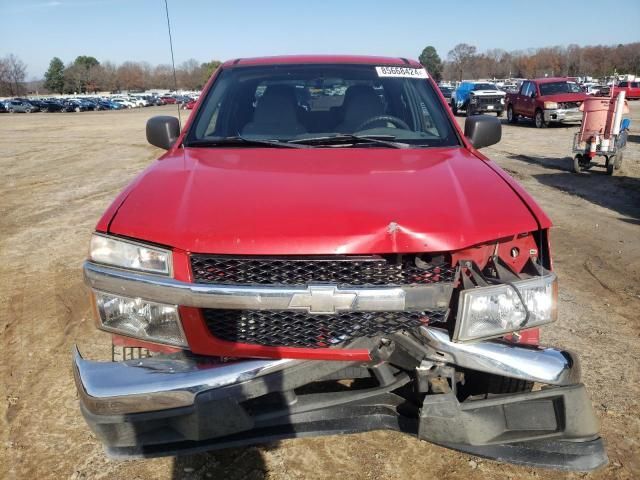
323 299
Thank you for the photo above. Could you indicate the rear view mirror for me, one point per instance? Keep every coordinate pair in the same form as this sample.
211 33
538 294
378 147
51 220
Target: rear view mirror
483 130
163 131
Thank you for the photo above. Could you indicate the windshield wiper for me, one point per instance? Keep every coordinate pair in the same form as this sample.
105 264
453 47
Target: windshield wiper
241 141
348 138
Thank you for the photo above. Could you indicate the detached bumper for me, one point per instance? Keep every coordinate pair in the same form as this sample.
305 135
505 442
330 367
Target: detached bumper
563 115
167 406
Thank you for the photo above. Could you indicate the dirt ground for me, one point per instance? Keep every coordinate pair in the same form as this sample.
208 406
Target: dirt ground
58 173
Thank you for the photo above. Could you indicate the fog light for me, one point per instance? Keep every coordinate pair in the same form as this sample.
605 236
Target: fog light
138 318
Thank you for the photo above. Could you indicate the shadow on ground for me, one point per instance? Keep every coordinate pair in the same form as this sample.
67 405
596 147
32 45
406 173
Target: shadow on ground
618 193
553 163
230 464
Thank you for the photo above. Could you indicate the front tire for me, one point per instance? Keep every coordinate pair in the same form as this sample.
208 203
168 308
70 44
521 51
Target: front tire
539 119
511 116
469 111
454 108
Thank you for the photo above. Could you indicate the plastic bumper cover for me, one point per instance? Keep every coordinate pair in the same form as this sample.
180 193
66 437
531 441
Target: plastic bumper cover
191 407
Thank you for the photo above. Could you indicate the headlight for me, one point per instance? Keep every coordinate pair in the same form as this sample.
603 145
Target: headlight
138 318
550 105
487 312
473 100
129 255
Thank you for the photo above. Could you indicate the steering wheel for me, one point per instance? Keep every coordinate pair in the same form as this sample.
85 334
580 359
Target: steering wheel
398 122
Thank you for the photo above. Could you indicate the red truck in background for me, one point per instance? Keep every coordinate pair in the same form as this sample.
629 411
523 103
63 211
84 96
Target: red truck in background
631 89
546 100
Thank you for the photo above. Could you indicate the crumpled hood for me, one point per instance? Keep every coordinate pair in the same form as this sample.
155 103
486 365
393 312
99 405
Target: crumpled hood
320 201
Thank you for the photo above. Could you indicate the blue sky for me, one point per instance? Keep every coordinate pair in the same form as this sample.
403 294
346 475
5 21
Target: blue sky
119 30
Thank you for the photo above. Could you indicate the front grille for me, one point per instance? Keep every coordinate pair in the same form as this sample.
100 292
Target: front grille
568 105
303 330
488 100
343 270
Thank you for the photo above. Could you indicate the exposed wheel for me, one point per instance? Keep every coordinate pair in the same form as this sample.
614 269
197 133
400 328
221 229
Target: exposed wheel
539 119
468 110
454 107
581 163
511 116
610 165
617 164
45 110
28 110
11 110
77 109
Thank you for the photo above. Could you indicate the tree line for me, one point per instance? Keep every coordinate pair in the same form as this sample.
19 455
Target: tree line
87 75
465 62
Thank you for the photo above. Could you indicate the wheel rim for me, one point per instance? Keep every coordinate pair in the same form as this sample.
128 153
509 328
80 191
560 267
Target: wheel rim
510 114
538 119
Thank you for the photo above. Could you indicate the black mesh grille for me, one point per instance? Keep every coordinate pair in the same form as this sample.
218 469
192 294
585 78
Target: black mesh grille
303 330
343 270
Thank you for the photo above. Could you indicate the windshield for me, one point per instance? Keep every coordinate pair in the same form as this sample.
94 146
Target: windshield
295 103
554 88
484 86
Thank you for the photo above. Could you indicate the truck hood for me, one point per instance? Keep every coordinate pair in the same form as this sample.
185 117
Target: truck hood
320 201
566 97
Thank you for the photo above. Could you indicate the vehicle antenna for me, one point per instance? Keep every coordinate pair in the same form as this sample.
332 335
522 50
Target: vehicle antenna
173 62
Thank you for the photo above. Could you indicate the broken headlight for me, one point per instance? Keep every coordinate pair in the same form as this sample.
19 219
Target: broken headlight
496 310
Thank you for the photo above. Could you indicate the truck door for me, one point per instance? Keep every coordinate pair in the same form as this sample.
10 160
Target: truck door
528 105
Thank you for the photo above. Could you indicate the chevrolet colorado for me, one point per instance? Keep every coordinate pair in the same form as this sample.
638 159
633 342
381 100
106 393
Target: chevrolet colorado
322 250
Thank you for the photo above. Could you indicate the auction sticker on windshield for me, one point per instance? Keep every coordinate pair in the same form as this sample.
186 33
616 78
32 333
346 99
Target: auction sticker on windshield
401 72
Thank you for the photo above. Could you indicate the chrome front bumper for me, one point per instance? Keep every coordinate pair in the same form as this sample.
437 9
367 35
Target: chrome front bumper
563 115
312 299
150 384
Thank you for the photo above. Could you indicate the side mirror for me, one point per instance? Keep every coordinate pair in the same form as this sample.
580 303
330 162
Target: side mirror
534 94
483 130
163 131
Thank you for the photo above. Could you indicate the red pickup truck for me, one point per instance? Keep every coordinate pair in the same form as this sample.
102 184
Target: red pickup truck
323 250
546 100
631 89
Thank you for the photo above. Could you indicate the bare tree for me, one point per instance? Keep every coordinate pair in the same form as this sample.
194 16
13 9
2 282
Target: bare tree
12 75
462 57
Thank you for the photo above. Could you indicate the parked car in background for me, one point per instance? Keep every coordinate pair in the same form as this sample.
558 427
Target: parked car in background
74 105
3 107
139 101
51 106
21 106
546 100
446 91
168 99
478 97
189 105
124 102
631 89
